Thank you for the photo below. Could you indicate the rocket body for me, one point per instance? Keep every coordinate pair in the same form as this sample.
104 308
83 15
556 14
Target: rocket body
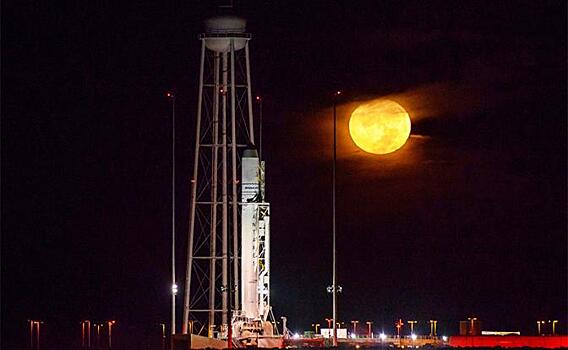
250 196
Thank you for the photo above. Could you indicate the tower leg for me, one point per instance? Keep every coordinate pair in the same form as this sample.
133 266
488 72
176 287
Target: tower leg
234 179
213 238
225 228
186 299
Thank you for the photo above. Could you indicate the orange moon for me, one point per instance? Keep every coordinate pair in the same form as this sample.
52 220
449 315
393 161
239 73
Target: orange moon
379 126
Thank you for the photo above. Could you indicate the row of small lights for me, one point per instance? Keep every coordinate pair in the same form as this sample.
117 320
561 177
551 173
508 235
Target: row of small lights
88 323
382 336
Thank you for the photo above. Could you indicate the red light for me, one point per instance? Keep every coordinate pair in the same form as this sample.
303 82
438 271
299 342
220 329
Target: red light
258 98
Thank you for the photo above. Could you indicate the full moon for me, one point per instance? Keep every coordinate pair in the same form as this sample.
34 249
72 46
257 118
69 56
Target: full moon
379 126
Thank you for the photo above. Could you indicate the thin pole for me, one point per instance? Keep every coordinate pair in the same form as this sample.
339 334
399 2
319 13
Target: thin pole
89 334
110 335
37 336
32 334
163 336
412 323
354 326
174 288
193 197
83 334
334 195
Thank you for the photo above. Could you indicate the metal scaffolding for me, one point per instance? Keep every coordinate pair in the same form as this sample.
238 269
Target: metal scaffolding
224 125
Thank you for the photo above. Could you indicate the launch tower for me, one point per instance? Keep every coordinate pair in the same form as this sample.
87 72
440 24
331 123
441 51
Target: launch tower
228 266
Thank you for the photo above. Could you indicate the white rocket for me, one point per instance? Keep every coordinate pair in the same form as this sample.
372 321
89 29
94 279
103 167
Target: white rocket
255 239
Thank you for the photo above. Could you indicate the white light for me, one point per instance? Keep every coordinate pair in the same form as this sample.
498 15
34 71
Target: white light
296 336
382 336
174 288
353 335
413 336
444 338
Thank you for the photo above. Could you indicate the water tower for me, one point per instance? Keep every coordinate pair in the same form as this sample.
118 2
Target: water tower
228 269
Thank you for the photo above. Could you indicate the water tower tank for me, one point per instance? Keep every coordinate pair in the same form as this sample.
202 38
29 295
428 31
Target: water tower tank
220 30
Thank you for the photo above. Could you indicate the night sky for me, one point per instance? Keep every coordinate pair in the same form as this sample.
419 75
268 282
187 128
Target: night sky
467 219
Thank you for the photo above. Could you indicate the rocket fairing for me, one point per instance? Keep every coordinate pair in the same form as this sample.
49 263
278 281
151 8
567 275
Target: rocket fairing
250 190
255 239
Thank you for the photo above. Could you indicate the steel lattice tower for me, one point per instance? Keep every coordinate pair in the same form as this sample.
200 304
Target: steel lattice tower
224 128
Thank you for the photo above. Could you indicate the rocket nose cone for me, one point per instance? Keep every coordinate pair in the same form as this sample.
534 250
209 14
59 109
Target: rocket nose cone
250 153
